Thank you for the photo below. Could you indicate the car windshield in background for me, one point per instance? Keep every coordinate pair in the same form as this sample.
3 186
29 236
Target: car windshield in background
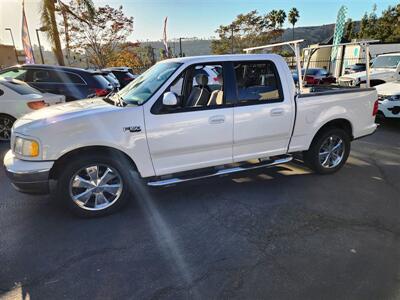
141 89
14 74
22 89
387 62
309 72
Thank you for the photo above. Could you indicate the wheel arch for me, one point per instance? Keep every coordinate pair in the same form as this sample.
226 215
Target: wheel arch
57 167
341 123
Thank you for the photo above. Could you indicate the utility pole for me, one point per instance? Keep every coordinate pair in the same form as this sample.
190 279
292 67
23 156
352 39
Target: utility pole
232 39
12 38
40 46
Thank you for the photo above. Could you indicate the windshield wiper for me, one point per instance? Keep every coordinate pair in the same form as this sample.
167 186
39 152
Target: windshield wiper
121 101
108 98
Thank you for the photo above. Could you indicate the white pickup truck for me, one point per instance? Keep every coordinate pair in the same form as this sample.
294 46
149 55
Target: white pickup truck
90 152
385 68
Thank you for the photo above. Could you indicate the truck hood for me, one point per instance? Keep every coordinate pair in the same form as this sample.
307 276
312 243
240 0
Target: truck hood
58 113
373 73
388 89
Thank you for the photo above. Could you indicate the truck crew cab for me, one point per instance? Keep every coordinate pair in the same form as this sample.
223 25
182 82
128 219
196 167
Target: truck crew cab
170 126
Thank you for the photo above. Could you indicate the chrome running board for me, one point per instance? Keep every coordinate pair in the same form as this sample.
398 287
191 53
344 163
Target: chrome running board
268 163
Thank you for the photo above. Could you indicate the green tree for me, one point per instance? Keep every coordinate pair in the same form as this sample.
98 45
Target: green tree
363 26
100 37
385 28
49 11
276 19
349 29
280 18
246 30
293 17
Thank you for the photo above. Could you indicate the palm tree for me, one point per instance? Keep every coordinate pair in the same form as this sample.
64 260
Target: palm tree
49 21
293 18
272 16
280 18
277 18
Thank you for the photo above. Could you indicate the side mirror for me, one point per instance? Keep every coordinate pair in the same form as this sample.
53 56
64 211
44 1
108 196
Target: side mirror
169 99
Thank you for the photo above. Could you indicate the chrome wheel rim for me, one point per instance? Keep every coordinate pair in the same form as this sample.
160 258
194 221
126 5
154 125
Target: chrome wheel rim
331 152
5 128
95 187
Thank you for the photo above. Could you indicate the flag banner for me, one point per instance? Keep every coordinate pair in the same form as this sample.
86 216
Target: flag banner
339 30
26 41
165 37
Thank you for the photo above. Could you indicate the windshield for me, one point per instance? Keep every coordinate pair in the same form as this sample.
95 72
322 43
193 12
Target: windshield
141 89
388 62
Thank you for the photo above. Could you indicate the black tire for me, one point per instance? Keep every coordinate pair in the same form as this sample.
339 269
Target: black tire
312 156
117 163
6 123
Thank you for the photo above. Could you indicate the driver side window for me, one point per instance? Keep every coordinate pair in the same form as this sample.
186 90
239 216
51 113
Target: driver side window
199 86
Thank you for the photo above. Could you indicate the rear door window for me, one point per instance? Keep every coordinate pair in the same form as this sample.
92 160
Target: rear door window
257 82
67 77
45 76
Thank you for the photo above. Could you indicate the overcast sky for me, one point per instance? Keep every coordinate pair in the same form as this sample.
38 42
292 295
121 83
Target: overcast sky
187 18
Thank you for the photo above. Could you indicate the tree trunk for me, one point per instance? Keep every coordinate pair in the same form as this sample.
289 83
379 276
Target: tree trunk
293 32
57 50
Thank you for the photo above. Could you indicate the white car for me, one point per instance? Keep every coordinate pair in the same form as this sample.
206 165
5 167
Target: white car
389 99
385 68
254 118
17 99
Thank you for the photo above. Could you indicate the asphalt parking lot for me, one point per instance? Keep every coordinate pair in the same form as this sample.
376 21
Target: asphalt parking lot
279 233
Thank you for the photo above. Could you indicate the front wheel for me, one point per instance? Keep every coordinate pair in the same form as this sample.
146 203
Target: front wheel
95 185
328 152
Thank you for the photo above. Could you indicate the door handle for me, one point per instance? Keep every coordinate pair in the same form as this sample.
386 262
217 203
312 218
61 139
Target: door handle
216 119
277 112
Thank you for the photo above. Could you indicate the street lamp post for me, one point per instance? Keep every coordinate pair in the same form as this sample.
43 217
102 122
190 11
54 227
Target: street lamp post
40 46
12 38
180 47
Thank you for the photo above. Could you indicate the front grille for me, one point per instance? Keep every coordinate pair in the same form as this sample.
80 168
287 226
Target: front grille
345 82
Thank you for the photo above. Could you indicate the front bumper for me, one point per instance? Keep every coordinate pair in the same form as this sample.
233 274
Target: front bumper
30 177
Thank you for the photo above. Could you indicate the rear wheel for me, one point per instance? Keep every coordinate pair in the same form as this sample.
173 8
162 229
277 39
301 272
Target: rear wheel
6 123
95 185
328 152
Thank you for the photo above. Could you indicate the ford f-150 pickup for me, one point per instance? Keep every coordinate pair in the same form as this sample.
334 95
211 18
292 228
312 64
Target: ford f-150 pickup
173 124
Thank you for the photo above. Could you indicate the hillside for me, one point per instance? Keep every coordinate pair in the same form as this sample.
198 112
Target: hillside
312 35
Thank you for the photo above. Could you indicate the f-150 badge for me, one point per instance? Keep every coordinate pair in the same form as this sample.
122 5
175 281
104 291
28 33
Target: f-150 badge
133 129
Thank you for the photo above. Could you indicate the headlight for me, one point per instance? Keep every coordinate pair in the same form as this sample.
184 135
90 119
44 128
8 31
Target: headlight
26 147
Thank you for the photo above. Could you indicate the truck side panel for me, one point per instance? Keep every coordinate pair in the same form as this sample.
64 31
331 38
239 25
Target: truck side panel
314 111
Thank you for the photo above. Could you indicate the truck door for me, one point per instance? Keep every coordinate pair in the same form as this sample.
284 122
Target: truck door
197 133
263 112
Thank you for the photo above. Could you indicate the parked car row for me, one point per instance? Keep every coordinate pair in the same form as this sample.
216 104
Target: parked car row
73 83
24 88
